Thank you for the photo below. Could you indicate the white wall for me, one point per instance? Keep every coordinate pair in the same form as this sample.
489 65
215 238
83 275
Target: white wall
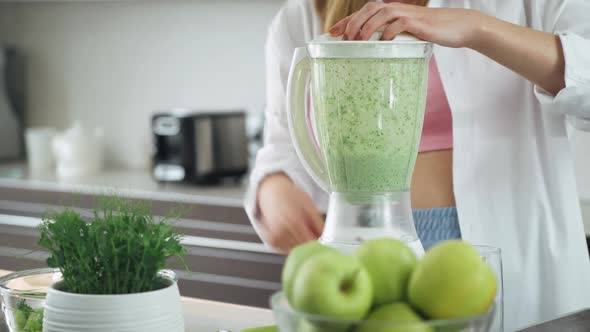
7 19
113 63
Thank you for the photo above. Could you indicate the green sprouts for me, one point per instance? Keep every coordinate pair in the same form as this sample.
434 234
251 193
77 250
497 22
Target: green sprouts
120 251
27 319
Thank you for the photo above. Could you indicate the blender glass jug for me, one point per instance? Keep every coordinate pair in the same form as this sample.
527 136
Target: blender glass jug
355 112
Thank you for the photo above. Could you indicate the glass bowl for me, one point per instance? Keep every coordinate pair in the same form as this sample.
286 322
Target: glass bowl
23 297
289 320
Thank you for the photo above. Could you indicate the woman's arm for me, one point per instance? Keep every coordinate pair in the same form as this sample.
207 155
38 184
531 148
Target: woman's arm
279 199
535 55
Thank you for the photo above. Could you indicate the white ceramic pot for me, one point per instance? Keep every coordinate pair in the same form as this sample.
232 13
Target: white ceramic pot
154 311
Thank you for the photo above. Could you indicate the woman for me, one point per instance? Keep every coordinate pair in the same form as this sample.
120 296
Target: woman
511 73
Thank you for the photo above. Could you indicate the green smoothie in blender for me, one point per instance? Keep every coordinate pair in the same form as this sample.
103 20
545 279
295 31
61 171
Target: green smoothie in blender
368 116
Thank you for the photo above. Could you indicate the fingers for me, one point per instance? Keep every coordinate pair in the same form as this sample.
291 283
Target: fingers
364 23
314 220
288 216
381 18
297 231
288 232
291 238
315 223
307 233
282 239
357 21
338 28
398 26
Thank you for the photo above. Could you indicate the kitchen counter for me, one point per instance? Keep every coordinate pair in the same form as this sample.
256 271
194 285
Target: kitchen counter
202 315
227 260
135 184
239 270
140 185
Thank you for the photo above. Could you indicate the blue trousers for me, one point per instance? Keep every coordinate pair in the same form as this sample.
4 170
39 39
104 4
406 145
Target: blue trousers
435 225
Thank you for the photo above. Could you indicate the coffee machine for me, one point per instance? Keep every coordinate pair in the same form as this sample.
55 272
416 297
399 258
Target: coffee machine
200 147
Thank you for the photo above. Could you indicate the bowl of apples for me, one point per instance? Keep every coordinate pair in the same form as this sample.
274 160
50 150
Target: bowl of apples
383 287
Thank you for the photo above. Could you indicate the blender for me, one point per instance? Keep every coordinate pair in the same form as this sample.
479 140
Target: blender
355 112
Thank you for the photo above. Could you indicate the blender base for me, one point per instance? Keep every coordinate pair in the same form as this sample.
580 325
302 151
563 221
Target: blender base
355 218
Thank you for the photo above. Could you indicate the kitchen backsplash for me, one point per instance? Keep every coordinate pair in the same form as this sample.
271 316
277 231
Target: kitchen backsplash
112 64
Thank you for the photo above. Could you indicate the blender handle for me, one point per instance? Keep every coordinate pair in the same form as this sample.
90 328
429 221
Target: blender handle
299 125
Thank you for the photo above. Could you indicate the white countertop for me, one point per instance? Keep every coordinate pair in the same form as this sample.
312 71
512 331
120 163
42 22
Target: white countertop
202 315
133 183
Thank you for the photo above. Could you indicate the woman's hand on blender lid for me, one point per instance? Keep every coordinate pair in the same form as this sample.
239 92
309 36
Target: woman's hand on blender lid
288 215
450 27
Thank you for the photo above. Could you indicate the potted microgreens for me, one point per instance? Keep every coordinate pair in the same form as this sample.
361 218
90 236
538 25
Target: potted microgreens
112 270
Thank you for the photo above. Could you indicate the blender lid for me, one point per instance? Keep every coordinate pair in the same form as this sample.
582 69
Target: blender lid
401 38
402 46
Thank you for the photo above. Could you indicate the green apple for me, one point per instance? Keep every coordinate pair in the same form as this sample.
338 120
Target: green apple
394 317
390 264
271 328
334 285
305 326
296 258
452 281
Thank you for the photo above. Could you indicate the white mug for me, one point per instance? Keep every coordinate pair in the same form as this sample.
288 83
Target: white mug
78 152
39 150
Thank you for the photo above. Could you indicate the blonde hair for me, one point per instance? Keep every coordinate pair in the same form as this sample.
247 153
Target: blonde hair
332 11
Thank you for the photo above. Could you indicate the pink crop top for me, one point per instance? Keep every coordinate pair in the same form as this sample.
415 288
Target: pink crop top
437 133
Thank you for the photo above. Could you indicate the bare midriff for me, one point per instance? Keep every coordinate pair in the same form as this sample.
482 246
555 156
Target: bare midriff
432 181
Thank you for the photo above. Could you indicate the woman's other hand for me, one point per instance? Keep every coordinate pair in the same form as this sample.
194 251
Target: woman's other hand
288 215
444 26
